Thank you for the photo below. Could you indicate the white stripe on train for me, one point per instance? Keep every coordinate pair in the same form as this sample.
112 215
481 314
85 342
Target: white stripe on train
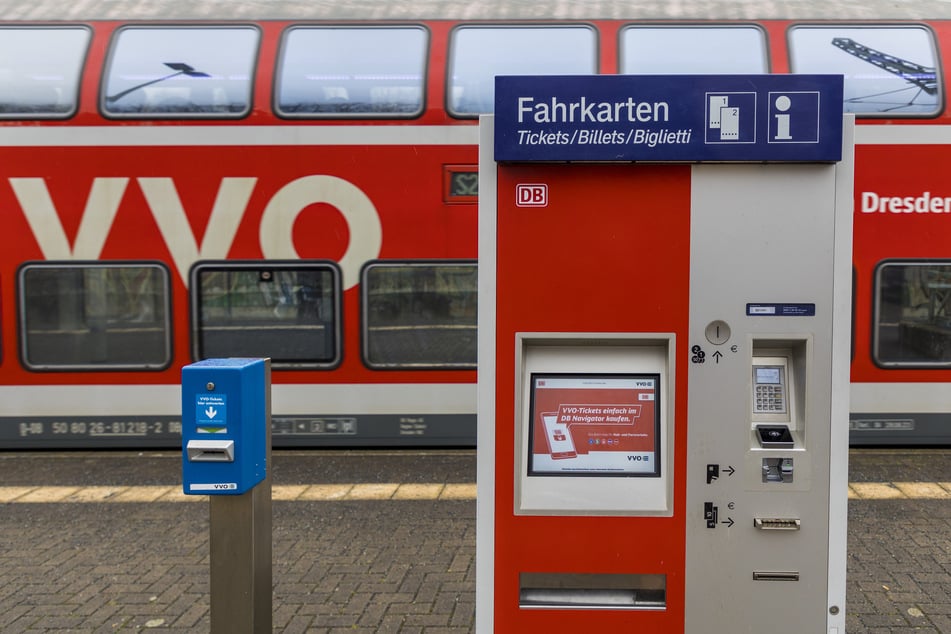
234 135
327 399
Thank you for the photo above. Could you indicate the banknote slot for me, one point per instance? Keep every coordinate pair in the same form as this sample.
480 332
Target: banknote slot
777 523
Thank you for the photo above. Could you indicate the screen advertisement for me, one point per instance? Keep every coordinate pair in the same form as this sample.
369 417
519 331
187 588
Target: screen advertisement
595 425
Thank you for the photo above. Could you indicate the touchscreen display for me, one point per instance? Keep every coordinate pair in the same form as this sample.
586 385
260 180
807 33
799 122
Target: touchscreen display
595 425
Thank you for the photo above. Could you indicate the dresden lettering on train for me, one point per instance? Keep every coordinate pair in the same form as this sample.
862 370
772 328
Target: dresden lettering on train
922 204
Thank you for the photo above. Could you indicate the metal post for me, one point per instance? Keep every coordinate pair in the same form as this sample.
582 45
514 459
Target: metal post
241 552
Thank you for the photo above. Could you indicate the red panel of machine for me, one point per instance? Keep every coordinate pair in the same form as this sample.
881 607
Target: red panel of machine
586 248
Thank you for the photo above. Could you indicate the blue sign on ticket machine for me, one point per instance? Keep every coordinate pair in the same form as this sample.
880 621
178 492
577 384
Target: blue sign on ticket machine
224 426
664 331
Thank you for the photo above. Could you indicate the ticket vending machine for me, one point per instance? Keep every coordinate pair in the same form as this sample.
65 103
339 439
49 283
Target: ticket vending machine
665 284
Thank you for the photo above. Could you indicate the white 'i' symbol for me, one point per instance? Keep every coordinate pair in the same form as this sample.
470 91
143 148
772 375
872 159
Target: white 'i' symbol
782 120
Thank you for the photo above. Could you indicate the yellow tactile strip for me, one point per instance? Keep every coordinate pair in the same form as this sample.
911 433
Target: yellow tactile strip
899 490
383 491
288 492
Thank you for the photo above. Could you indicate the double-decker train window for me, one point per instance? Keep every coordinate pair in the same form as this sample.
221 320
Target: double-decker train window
288 311
94 315
890 71
352 72
40 69
478 53
420 314
180 72
694 49
912 313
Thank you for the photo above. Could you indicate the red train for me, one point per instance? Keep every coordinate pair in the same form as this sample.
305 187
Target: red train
305 189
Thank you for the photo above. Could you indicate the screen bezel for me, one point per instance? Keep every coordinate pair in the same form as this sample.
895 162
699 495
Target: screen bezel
594 353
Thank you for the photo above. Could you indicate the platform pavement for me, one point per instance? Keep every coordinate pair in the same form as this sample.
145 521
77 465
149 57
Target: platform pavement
370 565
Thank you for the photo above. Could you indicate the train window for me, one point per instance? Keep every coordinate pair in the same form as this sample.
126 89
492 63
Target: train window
890 71
94 315
479 53
287 311
912 314
697 49
352 72
180 72
40 71
420 314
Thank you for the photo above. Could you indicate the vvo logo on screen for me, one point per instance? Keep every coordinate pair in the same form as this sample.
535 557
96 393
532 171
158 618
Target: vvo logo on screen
738 118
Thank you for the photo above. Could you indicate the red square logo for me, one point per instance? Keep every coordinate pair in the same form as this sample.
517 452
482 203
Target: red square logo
531 195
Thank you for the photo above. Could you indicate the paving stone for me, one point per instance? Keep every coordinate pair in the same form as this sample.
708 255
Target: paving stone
388 558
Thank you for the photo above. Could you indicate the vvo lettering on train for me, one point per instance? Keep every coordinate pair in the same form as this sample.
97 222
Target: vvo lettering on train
671 118
231 202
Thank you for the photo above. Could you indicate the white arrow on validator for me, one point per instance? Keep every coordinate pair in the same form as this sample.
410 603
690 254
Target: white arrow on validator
210 412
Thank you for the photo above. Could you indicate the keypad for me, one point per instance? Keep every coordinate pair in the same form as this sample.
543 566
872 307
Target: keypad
770 399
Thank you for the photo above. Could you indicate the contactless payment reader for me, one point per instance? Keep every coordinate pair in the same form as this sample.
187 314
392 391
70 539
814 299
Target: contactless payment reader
664 321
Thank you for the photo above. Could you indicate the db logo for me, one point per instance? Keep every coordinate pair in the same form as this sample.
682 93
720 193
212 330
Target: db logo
533 195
